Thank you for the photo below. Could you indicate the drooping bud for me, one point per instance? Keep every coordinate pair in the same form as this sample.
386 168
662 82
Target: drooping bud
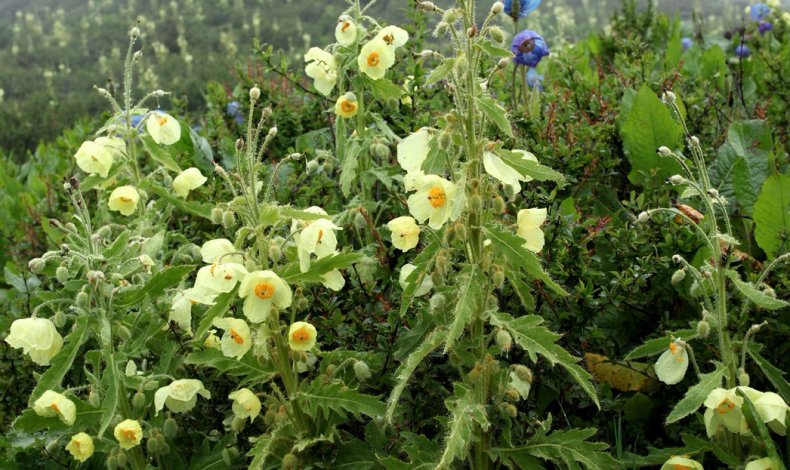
138 401
441 29
498 278
498 205
228 220
312 167
678 276
37 265
669 97
170 428
743 377
427 6
60 319
134 33
677 259
703 329
503 63
239 144
677 179
713 192
289 462
362 371
504 340
497 8
664 151
694 141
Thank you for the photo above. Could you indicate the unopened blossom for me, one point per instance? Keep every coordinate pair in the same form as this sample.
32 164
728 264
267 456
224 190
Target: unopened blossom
433 201
124 199
322 69
94 158
405 232
180 396
80 446
163 128
245 404
529 222
37 337
128 433
672 364
187 180
236 340
262 291
302 336
375 58
53 404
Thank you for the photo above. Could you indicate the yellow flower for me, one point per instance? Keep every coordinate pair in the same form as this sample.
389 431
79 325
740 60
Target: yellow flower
80 446
672 364
765 463
500 170
220 250
188 180
405 272
124 199
245 404
405 232
678 462
772 410
346 106
333 280
529 222
318 238
724 407
51 404
180 395
115 145
163 128
93 158
37 337
345 31
128 433
375 58
393 36
181 312
433 201
219 278
237 340
302 336
321 68
263 290
413 150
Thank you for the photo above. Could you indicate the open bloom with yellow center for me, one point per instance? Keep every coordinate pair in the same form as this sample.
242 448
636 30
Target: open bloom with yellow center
220 250
672 364
375 58
263 290
94 158
322 69
163 128
51 404
302 336
503 172
318 238
405 232
333 280
529 222
413 150
124 199
180 395
80 446
405 272
245 404
723 408
433 201
393 36
128 433
219 277
187 180
347 106
345 31
765 463
37 337
679 462
181 306
237 339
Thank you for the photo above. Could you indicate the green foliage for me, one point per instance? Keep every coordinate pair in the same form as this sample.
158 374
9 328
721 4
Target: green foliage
771 215
697 394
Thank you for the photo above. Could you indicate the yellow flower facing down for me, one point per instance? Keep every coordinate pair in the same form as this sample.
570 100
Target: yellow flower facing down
236 340
187 180
245 404
80 447
672 364
393 36
333 280
322 69
302 336
319 239
163 128
52 404
347 106
36 337
413 150
405 272
724 408
678 462
262 291
765 463
503 172
433 201
180 396
772 410
128 433
219 278
220 250
298 224
345 31
405 232
94 159
529 222
375 58
181 312
124 199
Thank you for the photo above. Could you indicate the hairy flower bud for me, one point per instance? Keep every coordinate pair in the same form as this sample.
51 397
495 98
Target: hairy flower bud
678 276
743 377
498 278
216 216
510 409
290 462
669 97
362 371
427 6
138 401
497 8
664 151
255 93
499 205
496 34
677 259
59 319
312 167
504 340
441 29
694 141
503 63
677 179
135 32
239 144
703 329
437 302
228 220
170 428
713 192
37 265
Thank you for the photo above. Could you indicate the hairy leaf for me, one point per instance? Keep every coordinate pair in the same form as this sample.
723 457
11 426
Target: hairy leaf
496 113
337 397
569 447
470 299
405 371
697 394
755 295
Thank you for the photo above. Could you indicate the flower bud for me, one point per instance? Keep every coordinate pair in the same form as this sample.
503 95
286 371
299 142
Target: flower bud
289 462
498 278
441 29
359 221
427 6
677 179
664 151
445 140
694 141
714 193
512 394
497 35
134 33
743 377
237 425
678 276
362 371
426 53
669 97
37 265
451 16
380 150
170 428
497 8
239 144
677 259
312 167
703 329
499 205
59 320
228 220
510 409
275 253
95 277
504 340
460 232
138 401
83 300
437 302
216 216
152 446
460 65
255 93
476 203
137 56
273 132
503 63
471 31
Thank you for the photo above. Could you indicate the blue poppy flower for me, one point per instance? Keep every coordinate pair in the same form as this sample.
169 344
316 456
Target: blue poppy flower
742 50
136 118
234 110
686 42
764 27
523 7
529 47
535 79
758 11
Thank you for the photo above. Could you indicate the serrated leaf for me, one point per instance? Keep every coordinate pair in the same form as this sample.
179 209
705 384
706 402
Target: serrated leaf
528 333
191 207
440 72
696 395
298 214
383 88
522 292
265 446
110 402
159 154
348 168
569 447
120 243
755 295
772 215
530 168
405 371
774 375
469 302
465 414
659 345
248 367
61 363
335 397
292 274
511 249
164 279
492 49
496 113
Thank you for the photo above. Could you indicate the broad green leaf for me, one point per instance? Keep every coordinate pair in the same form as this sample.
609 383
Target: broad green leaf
423 263
530 168
120 243
405 371
528 333
743 163
470 300
772 215
160 154
496 113
440 72
659 345
248 368
87 417
510 248
755 295
492 49
61 363
383 89
292 274
758 427
191 207
348 168
649 125
355 455
337 397
110 402
696 395
221 305
164 279
571 448
774 375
